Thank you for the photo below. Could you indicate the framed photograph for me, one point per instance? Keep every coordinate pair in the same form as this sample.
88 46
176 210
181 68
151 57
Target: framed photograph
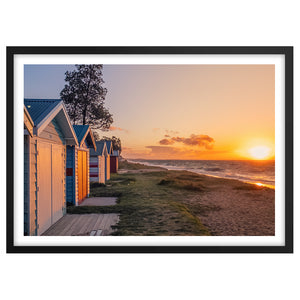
149 149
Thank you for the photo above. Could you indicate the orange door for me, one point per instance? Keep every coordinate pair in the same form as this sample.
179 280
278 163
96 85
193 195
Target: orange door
84 175
79 163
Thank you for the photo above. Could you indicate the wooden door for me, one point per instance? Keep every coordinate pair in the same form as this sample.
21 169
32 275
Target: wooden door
44 186
80 173
84 174
57 182
50 184
102 169
107 166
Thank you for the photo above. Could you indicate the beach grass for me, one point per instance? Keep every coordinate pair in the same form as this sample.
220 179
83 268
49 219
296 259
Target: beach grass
148 207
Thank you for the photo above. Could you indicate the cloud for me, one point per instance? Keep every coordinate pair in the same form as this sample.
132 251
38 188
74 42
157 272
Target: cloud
113 128
166 142
200 140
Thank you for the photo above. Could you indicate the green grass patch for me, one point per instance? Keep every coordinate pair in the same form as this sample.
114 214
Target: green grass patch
122 181
185 182
148 208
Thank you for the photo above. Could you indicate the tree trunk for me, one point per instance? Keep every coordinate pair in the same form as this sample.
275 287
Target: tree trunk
84 116
74 115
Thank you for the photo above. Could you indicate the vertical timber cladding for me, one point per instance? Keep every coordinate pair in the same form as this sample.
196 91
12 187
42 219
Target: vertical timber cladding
88 172
44 182
57 182
26 184
50 181
102 171
79 176
82 175
107 167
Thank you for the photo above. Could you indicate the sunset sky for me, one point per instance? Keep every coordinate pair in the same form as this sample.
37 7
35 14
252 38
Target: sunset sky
180 111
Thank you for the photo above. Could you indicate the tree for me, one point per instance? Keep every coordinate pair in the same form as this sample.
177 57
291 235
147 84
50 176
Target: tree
116 142
84 97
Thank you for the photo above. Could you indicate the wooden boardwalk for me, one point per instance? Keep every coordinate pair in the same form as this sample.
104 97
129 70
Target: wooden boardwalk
83 224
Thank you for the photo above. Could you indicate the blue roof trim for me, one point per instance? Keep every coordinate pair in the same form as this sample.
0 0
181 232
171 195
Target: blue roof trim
40 108
84 134
109 146
80 131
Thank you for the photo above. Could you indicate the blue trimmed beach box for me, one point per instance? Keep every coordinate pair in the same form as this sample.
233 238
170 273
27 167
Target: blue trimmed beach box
77 172
109 147
97 163
47 132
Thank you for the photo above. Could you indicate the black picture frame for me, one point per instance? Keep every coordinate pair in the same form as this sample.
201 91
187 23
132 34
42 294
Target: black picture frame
287 52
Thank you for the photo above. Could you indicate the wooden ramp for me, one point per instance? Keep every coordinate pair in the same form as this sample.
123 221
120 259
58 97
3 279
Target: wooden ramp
83 224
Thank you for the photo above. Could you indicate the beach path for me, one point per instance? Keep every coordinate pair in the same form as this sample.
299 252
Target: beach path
99 201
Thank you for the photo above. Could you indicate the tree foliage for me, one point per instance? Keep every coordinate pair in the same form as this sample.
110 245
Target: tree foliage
84 97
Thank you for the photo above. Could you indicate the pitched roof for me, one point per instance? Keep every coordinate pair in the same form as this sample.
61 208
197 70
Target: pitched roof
80 131
43 111
40 108
84 132
109 147
101 148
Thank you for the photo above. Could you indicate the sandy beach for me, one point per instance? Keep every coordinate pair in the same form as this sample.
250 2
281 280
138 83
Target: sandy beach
229 207
237 212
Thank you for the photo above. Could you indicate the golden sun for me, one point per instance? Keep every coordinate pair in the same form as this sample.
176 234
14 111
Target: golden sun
260 152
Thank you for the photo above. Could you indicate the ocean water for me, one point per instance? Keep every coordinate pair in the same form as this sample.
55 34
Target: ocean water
252 171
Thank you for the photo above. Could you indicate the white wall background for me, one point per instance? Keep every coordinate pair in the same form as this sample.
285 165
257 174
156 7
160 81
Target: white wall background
149 23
